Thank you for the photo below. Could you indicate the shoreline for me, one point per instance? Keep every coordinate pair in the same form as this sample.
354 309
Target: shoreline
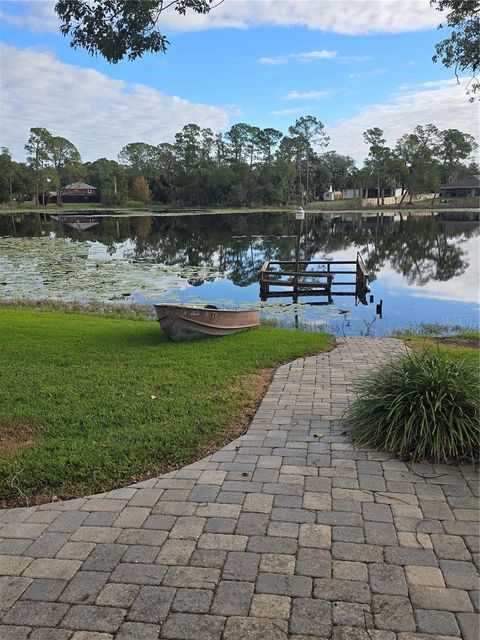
133 212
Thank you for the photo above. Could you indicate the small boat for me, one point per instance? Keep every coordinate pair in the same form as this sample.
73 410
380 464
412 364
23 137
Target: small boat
191 322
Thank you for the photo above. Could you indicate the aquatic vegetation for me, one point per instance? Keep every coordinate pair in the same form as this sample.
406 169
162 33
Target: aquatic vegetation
65 269
217 259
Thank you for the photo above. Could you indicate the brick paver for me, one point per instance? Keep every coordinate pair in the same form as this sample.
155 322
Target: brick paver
287 532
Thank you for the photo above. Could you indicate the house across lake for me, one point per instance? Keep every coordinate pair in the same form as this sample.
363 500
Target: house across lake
80 192
468 187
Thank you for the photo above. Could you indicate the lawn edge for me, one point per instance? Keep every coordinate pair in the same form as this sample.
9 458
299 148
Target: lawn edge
230 433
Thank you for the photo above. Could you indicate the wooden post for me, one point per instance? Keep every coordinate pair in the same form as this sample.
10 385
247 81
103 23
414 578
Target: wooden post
329 283
264 286
297 261
297 247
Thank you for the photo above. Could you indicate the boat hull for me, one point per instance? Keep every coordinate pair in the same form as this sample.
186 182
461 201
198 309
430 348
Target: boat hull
183 323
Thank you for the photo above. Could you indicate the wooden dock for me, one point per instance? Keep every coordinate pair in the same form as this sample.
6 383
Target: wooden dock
326 278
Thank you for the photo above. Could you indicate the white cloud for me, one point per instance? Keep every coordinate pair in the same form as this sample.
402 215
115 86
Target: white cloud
274 61
311 56
463 288
36 15
443 103
97 113
309 95
289 112
366 74
349 59
340 16
307 56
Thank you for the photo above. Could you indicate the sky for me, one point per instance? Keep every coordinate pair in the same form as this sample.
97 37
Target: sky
353 64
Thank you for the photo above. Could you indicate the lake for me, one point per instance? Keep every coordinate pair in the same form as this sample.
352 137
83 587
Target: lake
423 270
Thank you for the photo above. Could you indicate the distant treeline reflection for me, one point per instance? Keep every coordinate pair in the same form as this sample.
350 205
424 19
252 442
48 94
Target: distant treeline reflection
421 249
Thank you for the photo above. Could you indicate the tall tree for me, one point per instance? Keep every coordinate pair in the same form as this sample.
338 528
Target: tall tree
38 149
454 146
338 168
6 176
379 160
461 50
163 185
140 157
418 152
288 164
188 145
62 153
116 29
110 178
268 139
309 131
237 137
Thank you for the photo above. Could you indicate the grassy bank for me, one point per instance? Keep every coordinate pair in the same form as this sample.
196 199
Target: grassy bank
338 206
88 403
135 208
459 346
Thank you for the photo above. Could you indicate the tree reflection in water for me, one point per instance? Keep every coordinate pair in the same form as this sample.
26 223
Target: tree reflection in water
236 245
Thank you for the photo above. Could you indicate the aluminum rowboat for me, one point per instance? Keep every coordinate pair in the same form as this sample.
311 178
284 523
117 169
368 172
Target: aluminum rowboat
192 322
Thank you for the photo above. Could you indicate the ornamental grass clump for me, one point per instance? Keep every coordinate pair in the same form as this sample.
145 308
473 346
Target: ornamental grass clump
419 407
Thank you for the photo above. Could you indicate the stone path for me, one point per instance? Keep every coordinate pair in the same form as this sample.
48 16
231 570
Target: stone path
287 532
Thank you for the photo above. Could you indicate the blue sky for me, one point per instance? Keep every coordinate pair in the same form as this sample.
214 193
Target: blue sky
351 64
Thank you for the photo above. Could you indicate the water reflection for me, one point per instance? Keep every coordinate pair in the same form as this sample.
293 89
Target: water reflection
219 258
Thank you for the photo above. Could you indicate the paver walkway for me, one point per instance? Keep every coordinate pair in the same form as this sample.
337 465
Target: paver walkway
287 532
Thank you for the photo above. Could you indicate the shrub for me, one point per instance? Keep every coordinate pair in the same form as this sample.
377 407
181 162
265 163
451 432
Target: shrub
419 407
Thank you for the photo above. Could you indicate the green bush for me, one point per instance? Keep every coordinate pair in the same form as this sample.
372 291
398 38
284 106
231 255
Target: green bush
419 407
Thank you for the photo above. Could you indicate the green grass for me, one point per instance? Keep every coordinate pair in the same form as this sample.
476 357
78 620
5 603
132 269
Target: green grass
423 406
79 390
456 342
460 347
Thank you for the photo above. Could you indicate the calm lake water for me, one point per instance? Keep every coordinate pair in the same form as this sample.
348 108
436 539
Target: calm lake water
424 270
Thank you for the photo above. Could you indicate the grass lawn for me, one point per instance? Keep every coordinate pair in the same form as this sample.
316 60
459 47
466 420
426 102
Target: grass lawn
89 403
460 346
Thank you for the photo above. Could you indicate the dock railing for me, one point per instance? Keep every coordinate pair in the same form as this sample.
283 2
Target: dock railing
326 278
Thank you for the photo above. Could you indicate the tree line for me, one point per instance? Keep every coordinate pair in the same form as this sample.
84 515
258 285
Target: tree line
244 166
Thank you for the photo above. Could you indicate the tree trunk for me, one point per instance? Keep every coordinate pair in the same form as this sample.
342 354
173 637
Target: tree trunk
250 190
37 189
300 186
308 176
